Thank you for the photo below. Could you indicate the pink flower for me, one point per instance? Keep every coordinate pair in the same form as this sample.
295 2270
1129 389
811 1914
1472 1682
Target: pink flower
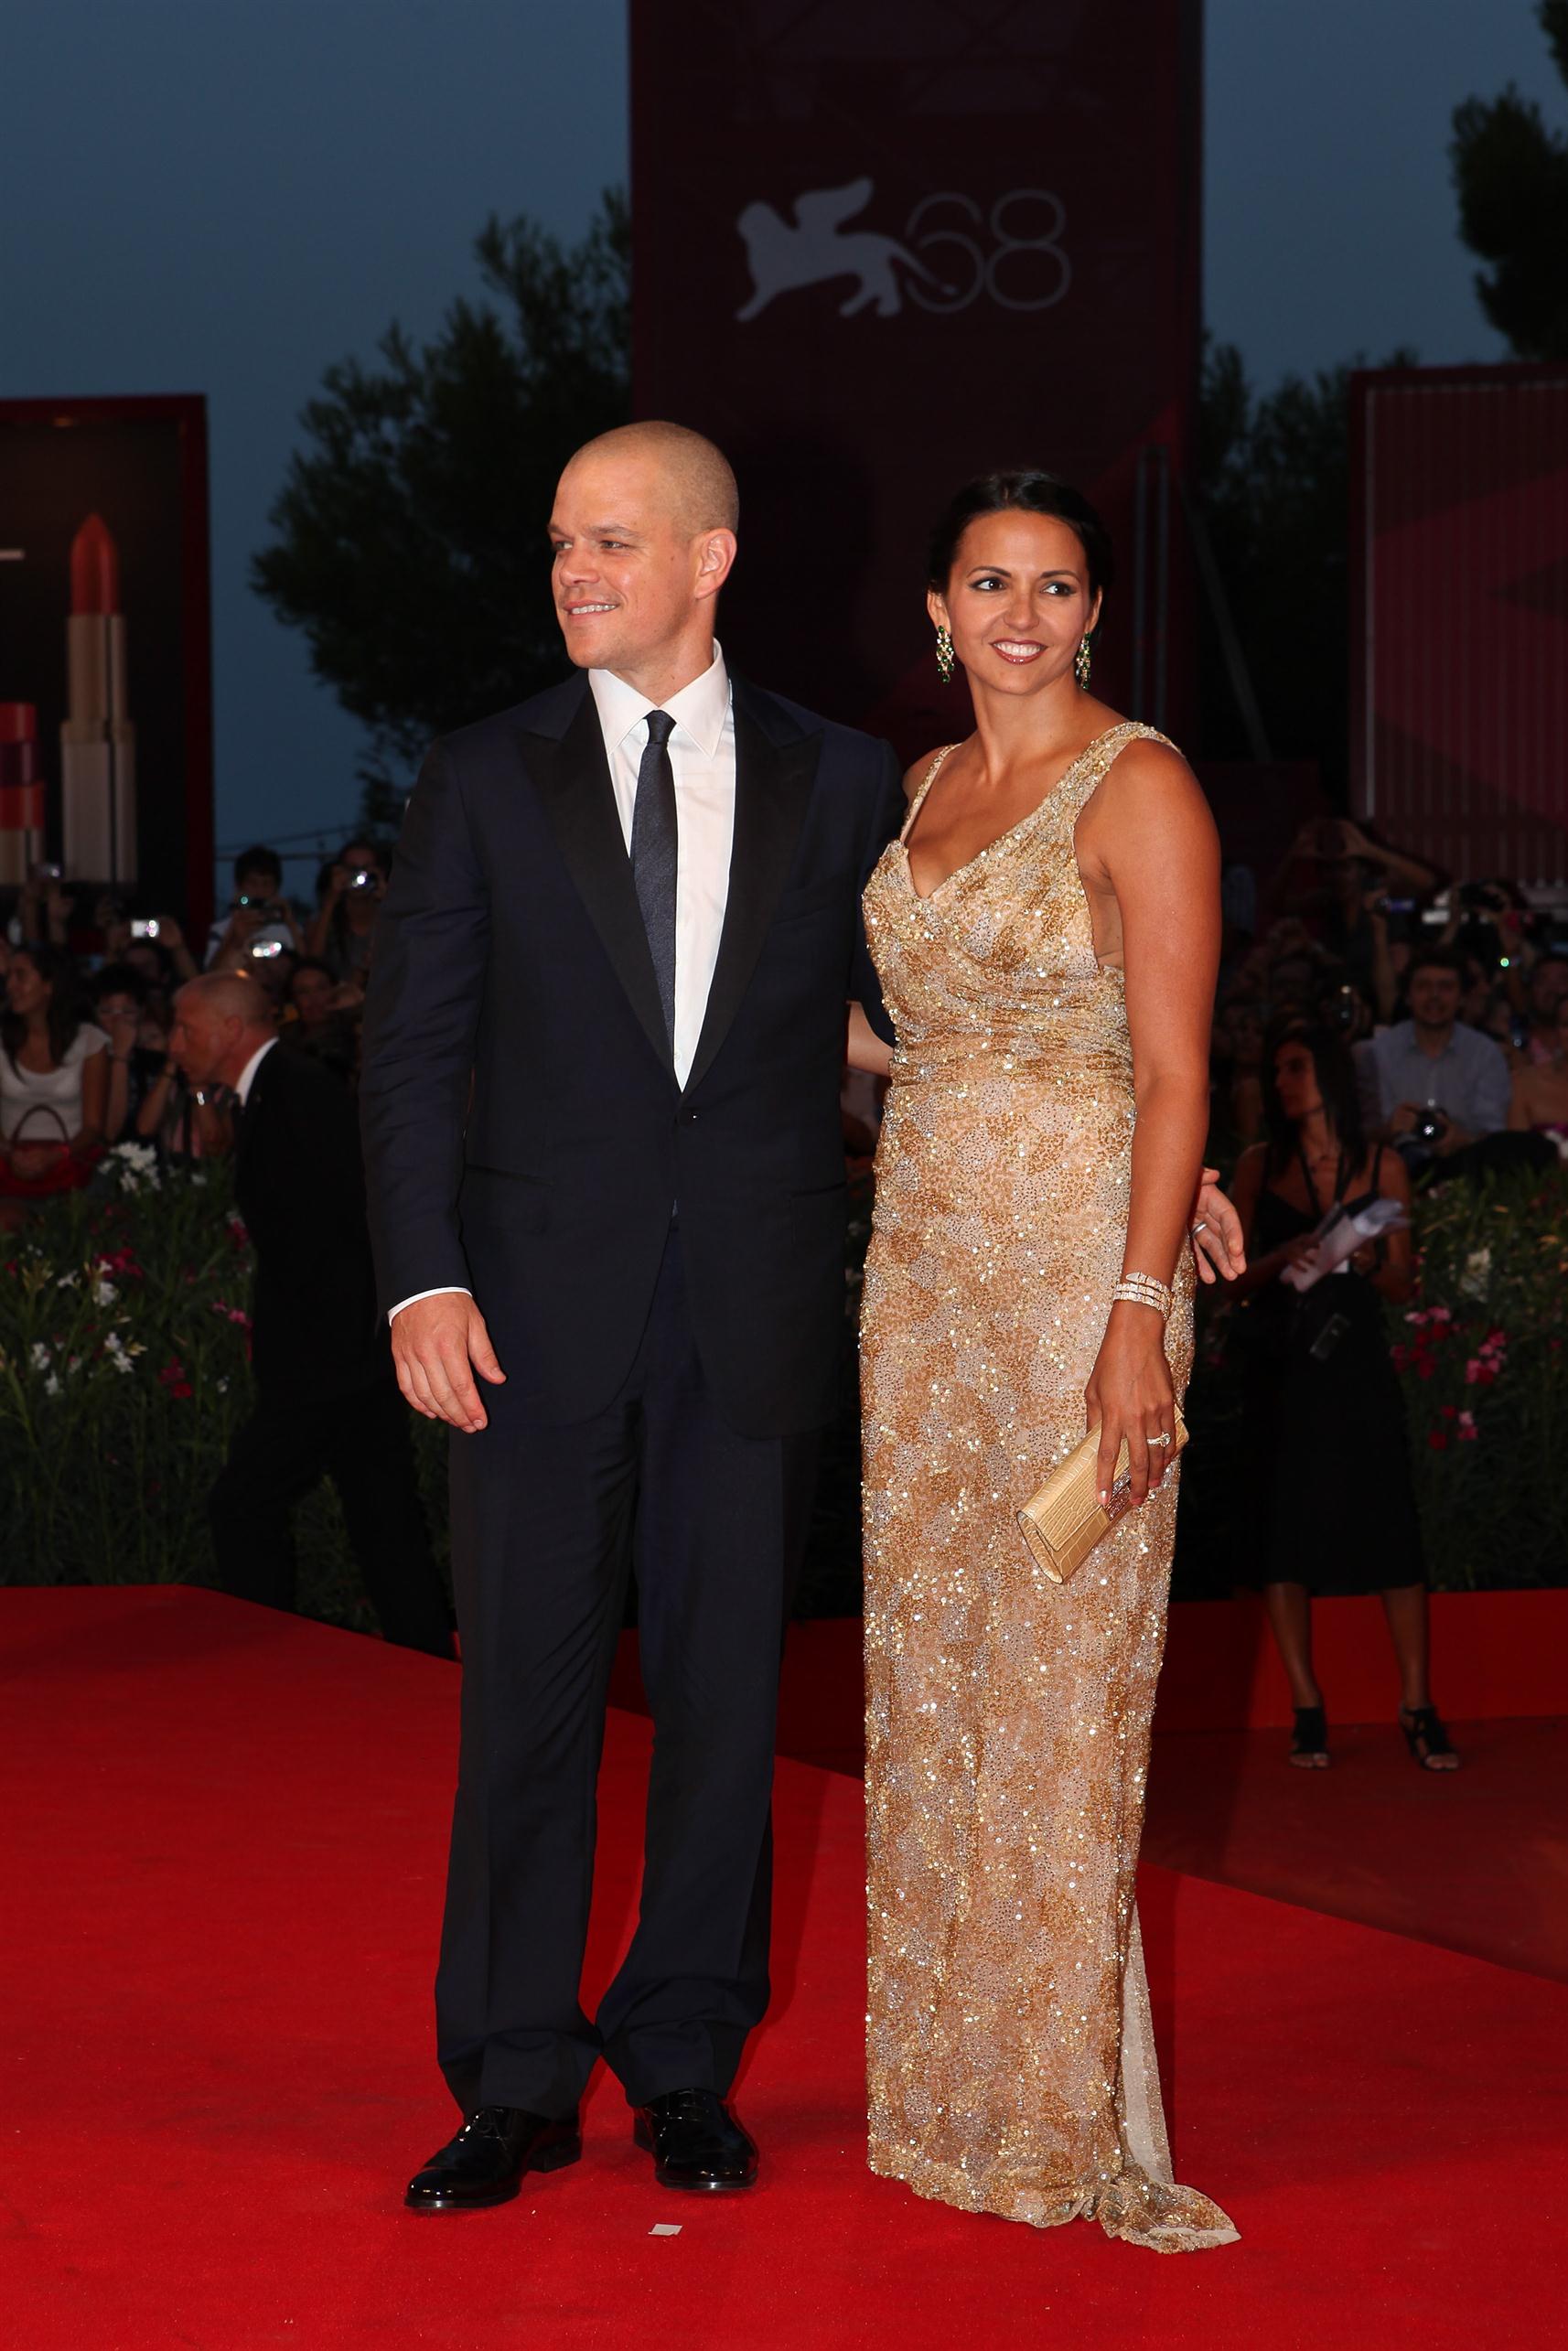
173 1378
1468 1432
1438 1440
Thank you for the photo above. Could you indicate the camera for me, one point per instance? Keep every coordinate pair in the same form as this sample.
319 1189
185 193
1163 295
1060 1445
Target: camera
250 901
49 872
148 929
1431 1125
264 949
363 877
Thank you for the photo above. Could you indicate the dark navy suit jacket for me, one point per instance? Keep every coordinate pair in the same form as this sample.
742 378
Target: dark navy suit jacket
525 1136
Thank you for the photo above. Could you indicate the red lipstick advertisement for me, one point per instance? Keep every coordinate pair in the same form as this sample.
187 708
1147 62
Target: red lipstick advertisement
98 742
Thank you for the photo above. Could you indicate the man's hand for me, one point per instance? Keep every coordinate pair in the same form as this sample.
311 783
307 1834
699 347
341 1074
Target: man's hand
1218 1250
434 1343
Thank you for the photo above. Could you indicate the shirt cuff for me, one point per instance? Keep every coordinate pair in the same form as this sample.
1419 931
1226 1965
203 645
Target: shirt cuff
447 1289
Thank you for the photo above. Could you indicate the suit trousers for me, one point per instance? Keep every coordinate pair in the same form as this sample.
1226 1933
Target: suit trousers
363 1442
547 1523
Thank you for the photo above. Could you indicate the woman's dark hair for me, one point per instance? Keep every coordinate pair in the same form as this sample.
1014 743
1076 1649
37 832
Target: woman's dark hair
56 969
1337 1085
1029 492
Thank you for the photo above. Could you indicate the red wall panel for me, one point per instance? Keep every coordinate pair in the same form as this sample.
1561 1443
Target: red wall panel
1460 560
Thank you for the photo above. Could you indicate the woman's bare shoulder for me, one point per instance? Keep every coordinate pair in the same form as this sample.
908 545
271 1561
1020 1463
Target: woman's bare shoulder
915 775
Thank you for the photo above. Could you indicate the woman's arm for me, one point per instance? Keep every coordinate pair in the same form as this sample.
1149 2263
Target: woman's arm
1385 982
94 1101
1519 1108
1394 1273
1154 843
155 1103
865 1049
320 931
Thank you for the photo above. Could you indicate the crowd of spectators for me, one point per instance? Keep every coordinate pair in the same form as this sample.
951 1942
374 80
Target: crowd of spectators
88 1008
1448 995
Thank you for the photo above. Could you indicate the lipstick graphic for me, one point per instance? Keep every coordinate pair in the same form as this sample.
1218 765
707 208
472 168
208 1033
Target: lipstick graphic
21 794
98 743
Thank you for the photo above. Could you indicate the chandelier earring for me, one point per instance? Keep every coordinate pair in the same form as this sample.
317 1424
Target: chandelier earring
1080 664
946 663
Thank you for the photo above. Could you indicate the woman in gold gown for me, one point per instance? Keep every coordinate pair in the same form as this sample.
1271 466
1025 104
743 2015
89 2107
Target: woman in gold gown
1047 931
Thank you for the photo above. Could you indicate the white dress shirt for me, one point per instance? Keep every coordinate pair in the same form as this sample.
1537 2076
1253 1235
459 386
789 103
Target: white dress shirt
702 756
247 1077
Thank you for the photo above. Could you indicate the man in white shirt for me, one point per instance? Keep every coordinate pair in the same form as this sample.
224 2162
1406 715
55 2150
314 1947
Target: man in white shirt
603 1046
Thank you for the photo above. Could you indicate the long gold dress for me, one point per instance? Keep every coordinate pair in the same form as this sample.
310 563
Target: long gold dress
1011 2063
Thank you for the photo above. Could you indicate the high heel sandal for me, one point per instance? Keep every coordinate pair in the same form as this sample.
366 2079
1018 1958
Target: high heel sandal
1311 1738
1426 1737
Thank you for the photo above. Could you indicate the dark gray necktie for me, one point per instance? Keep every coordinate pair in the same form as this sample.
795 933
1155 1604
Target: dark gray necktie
655 856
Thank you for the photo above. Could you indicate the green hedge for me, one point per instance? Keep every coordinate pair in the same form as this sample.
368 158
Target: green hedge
124 1373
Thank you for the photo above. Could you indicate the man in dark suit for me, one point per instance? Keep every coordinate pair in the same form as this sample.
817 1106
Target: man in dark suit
326 1399
600 1102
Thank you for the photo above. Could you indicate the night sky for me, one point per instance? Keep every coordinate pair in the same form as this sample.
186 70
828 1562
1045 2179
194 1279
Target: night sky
224 196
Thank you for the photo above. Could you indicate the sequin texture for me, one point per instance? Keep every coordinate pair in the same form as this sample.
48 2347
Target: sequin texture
1011 2063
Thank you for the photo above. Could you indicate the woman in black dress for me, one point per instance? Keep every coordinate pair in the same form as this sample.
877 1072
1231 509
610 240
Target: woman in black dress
1325 1426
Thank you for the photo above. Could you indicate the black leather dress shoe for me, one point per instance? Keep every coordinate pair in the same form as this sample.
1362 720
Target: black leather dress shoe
485 2163
695 2143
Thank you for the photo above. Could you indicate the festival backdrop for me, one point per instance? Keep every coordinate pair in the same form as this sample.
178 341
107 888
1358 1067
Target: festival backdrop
105 663
1460 642
879 248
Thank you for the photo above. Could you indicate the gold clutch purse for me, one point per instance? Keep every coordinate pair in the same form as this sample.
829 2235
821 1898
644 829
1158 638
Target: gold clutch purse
1064 1521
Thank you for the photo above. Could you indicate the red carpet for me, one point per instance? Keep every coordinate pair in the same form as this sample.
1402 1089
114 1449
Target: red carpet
227 1831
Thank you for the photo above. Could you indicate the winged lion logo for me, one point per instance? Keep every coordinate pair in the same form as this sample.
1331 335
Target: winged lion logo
815 247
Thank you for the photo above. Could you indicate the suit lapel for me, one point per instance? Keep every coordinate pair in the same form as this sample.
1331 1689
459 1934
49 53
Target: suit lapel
773 784
574 778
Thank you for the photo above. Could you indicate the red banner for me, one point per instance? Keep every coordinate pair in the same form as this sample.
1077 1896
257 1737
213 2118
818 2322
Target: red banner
879 248
1460 667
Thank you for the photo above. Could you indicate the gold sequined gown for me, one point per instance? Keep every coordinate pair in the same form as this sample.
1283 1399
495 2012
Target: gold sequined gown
1011 2065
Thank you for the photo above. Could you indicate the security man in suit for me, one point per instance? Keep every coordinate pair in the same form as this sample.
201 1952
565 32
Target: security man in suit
326 1398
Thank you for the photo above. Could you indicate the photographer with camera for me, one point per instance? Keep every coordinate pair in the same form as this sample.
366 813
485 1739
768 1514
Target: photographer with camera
1442 1088
352 889
259 919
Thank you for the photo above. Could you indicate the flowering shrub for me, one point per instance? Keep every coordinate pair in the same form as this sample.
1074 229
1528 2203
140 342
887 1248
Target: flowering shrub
124 1370
1480 1353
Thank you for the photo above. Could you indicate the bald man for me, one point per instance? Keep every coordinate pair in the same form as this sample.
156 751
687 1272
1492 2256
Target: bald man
327 1400
600 1101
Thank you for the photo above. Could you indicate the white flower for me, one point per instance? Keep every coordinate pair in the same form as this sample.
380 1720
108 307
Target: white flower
40 1356
105 1293
197 1180
222 1387
66 1282
51 1386
1476 1280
